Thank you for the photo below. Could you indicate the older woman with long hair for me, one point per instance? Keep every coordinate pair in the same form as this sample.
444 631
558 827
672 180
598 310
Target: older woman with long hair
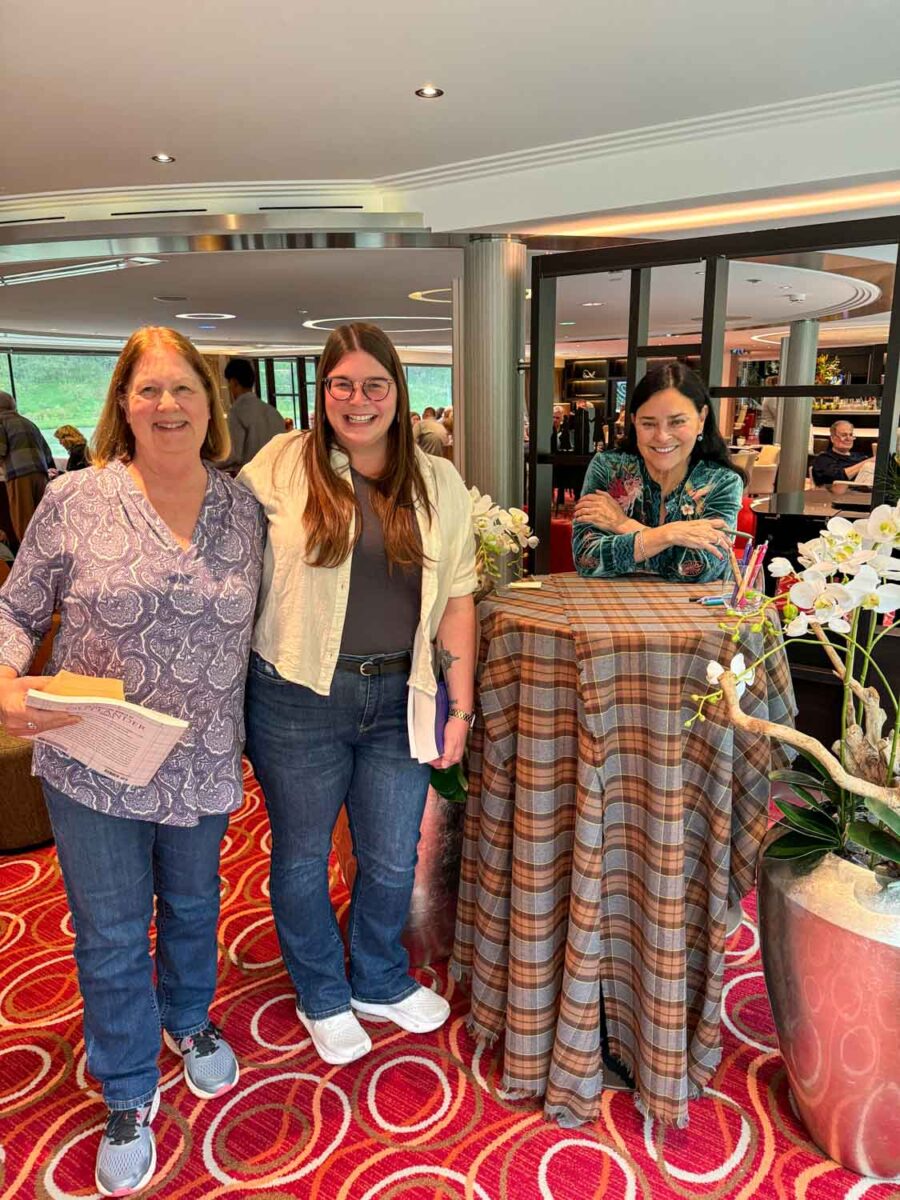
153 559
665 503
367 584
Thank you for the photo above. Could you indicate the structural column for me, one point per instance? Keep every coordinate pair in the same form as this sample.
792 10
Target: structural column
798 366
493 343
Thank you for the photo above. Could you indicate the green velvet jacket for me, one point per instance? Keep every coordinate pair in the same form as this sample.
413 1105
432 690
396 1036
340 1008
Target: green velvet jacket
625 478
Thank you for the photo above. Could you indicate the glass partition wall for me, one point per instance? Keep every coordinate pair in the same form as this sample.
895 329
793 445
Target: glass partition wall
626 307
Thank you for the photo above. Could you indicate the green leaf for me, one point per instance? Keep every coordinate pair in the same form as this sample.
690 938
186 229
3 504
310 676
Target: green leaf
450 782
794 844
809 820
805 780
884 813
877 841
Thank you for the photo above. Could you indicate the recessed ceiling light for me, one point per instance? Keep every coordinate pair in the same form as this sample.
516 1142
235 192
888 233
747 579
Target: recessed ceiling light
170 299
567 322
162 158
206 326
752 281
302 311
203 316
429 92
592 304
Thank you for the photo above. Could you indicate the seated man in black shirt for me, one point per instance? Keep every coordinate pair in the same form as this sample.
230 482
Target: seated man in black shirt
840 462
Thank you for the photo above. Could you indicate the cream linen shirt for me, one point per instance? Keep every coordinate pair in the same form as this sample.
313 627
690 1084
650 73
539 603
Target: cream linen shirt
301 611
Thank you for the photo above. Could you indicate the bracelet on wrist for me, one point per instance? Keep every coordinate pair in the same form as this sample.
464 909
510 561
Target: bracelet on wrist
639 546
461 715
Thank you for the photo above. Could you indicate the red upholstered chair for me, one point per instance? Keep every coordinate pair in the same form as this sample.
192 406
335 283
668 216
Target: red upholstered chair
561 559
746 518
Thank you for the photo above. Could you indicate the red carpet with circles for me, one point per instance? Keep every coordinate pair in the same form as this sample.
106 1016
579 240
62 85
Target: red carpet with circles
418 1118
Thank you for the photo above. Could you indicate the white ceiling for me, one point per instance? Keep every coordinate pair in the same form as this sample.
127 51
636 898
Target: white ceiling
270 90
295 95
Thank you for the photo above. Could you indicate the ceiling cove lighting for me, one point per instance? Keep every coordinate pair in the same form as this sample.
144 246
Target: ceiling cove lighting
430 296
204 316
75 270
162 158
429 92
776 208
428 324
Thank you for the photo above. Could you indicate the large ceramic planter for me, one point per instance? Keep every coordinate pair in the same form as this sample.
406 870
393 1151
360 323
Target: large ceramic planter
830 942
428 935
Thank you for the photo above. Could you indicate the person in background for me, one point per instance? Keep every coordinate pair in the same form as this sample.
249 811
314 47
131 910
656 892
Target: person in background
840 463
251 422
415 417
432 437
153 560
768 417
665 503
74 443
25 461
370 541
429 414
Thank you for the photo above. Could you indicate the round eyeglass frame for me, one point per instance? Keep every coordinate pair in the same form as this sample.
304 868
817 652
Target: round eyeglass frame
366 385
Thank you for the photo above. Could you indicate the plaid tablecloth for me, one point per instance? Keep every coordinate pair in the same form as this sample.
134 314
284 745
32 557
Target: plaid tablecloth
603 838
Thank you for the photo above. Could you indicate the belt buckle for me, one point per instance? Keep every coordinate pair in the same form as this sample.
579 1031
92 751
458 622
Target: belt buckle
373 668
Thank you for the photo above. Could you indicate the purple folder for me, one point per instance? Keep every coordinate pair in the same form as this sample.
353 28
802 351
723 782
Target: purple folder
441 713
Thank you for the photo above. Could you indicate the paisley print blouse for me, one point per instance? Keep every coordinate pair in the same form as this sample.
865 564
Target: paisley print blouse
174 624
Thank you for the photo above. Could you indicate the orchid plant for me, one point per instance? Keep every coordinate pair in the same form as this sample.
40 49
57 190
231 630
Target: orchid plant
842 597
499 534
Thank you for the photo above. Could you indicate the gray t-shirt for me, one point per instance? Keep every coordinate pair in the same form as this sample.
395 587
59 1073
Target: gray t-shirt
383 606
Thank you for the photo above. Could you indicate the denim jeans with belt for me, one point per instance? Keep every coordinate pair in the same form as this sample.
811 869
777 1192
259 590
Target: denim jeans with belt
111 868
311 754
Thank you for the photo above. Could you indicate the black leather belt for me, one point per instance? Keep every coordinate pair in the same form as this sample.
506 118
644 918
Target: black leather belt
380 664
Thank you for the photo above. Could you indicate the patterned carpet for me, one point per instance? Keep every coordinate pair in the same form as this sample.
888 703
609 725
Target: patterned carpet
419 1118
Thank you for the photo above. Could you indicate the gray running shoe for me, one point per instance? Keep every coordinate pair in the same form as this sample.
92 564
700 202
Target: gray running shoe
209 1063
126 1158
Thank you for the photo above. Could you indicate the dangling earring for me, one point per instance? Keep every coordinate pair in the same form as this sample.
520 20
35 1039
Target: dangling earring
699 437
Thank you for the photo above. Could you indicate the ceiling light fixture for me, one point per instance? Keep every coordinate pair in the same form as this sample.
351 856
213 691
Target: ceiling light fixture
170 299
883 195
327 324
162 158
74 270
567 322
429 296
205 316
592 304
429 92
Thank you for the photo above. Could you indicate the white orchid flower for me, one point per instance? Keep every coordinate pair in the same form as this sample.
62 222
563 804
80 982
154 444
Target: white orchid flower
743 675
871 594
886 565
810 553
779 567
799 627
826 600
883 525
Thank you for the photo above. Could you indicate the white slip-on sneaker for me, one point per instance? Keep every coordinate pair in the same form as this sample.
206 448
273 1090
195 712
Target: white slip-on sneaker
421 1012
339 1039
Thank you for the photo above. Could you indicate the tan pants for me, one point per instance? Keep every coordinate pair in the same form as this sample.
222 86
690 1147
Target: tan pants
24 495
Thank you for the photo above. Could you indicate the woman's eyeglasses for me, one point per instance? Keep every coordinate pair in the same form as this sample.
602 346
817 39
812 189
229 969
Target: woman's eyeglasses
340 388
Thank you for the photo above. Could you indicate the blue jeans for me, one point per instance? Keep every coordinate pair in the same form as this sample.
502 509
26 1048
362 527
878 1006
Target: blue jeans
111 868
311 754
